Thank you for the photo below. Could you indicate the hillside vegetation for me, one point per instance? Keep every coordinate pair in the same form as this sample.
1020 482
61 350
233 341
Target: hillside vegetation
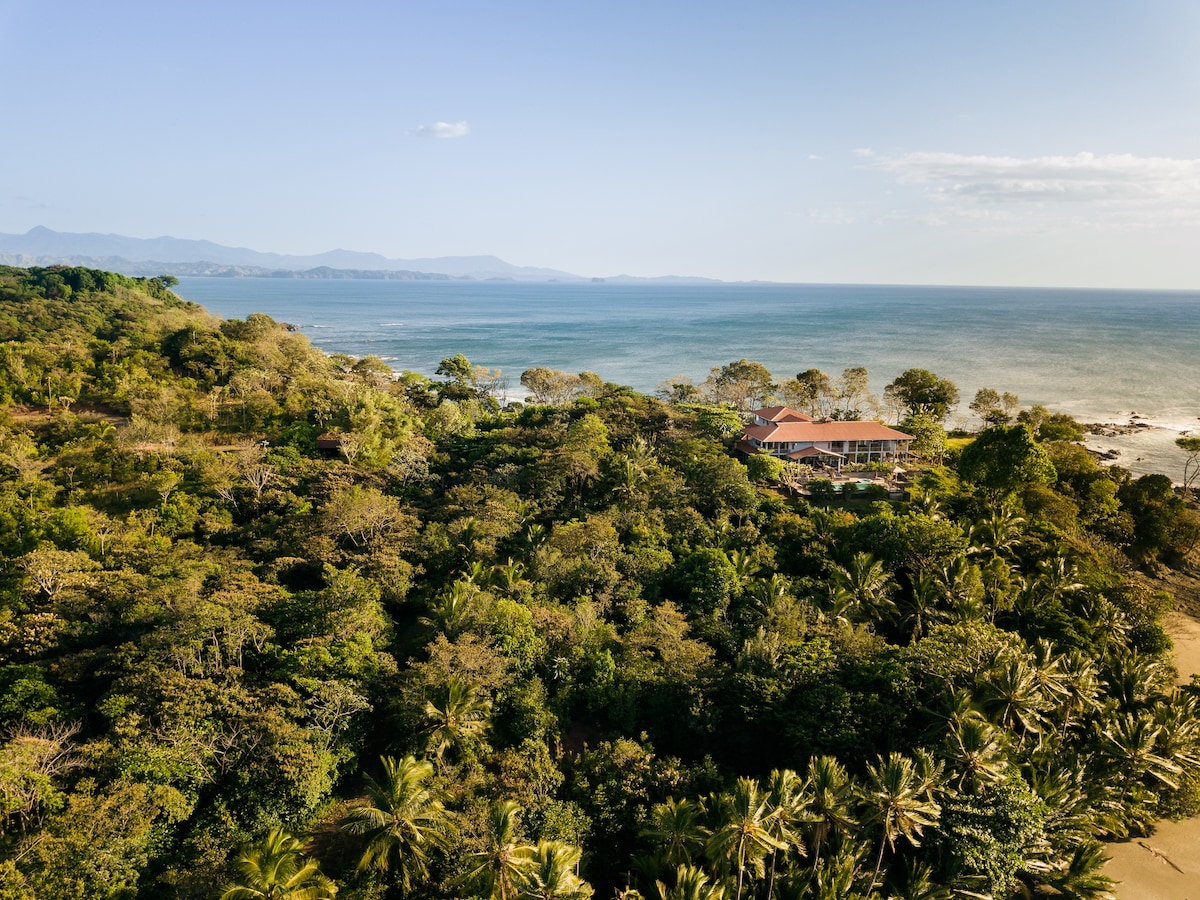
278 624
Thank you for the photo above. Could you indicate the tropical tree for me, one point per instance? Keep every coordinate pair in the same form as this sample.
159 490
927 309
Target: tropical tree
830 798
976 752
814 389
500 867
920 391
1191 467
993 407
788 803
401 820
742 837
1131 742
922 606
275 869
744 384
1080 876
896 798
1004 457
552 873
458 721
691 883
676 828
1012 696
451 610
866 583
998 534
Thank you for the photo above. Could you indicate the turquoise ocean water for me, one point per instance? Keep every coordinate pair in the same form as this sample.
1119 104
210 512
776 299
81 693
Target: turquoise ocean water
1098 355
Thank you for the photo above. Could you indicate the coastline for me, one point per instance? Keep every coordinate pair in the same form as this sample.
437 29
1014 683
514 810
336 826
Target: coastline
1143 445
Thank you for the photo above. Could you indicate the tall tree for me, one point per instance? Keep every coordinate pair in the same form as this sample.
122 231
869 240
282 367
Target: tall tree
830 802
744 384
851 392
743 836
866 584
691 883
402 821
275 869
1005 457
896 799
1191 468
813 389
552 873
993 407
677 830
499 868
458 720
923 392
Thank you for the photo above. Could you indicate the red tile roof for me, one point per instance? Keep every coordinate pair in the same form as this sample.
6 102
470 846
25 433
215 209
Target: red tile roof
781 414
803 432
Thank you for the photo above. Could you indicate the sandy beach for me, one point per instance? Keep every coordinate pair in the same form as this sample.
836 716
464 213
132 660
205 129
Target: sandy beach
1165 865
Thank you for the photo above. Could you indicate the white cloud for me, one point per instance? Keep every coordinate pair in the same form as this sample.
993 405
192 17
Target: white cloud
1116 181
444 130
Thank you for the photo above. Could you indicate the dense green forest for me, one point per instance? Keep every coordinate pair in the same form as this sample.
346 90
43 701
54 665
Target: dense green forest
279 624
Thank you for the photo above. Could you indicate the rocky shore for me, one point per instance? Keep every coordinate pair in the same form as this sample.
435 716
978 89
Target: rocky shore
1141 445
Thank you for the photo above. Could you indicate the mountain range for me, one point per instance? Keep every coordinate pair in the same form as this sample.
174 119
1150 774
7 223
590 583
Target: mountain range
41 246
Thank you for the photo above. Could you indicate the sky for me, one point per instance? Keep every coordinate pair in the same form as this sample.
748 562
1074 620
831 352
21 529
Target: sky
1020 143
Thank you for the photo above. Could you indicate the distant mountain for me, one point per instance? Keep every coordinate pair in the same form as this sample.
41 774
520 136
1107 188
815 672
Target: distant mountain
175 256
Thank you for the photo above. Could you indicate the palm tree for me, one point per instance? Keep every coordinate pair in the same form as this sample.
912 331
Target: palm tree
1131 742
745 564
767 592
691 883
1056 578
997 535
924 606
919 883
1049 675
743 836
1081 878
867 583
1072 814
840 876
1081 688
551 873
1013 697
1107 624
500 867
675 827
459 722
829 793
510 577
274 869
976 752
401 820
1179 718
928 505
964 590
897 798
451 609
788 804
1138 680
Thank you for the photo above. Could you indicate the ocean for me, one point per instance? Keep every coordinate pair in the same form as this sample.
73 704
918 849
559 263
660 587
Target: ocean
1099 355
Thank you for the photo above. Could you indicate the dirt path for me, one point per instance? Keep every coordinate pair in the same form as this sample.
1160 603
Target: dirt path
1166 865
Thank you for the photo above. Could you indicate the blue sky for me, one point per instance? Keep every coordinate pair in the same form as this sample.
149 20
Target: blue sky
1043 143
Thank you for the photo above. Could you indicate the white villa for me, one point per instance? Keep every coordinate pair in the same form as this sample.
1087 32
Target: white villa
788 434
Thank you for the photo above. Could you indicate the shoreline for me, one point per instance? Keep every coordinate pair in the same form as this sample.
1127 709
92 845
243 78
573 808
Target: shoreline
1143 445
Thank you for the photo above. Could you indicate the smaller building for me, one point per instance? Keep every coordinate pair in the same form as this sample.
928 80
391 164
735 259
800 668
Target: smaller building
788 434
